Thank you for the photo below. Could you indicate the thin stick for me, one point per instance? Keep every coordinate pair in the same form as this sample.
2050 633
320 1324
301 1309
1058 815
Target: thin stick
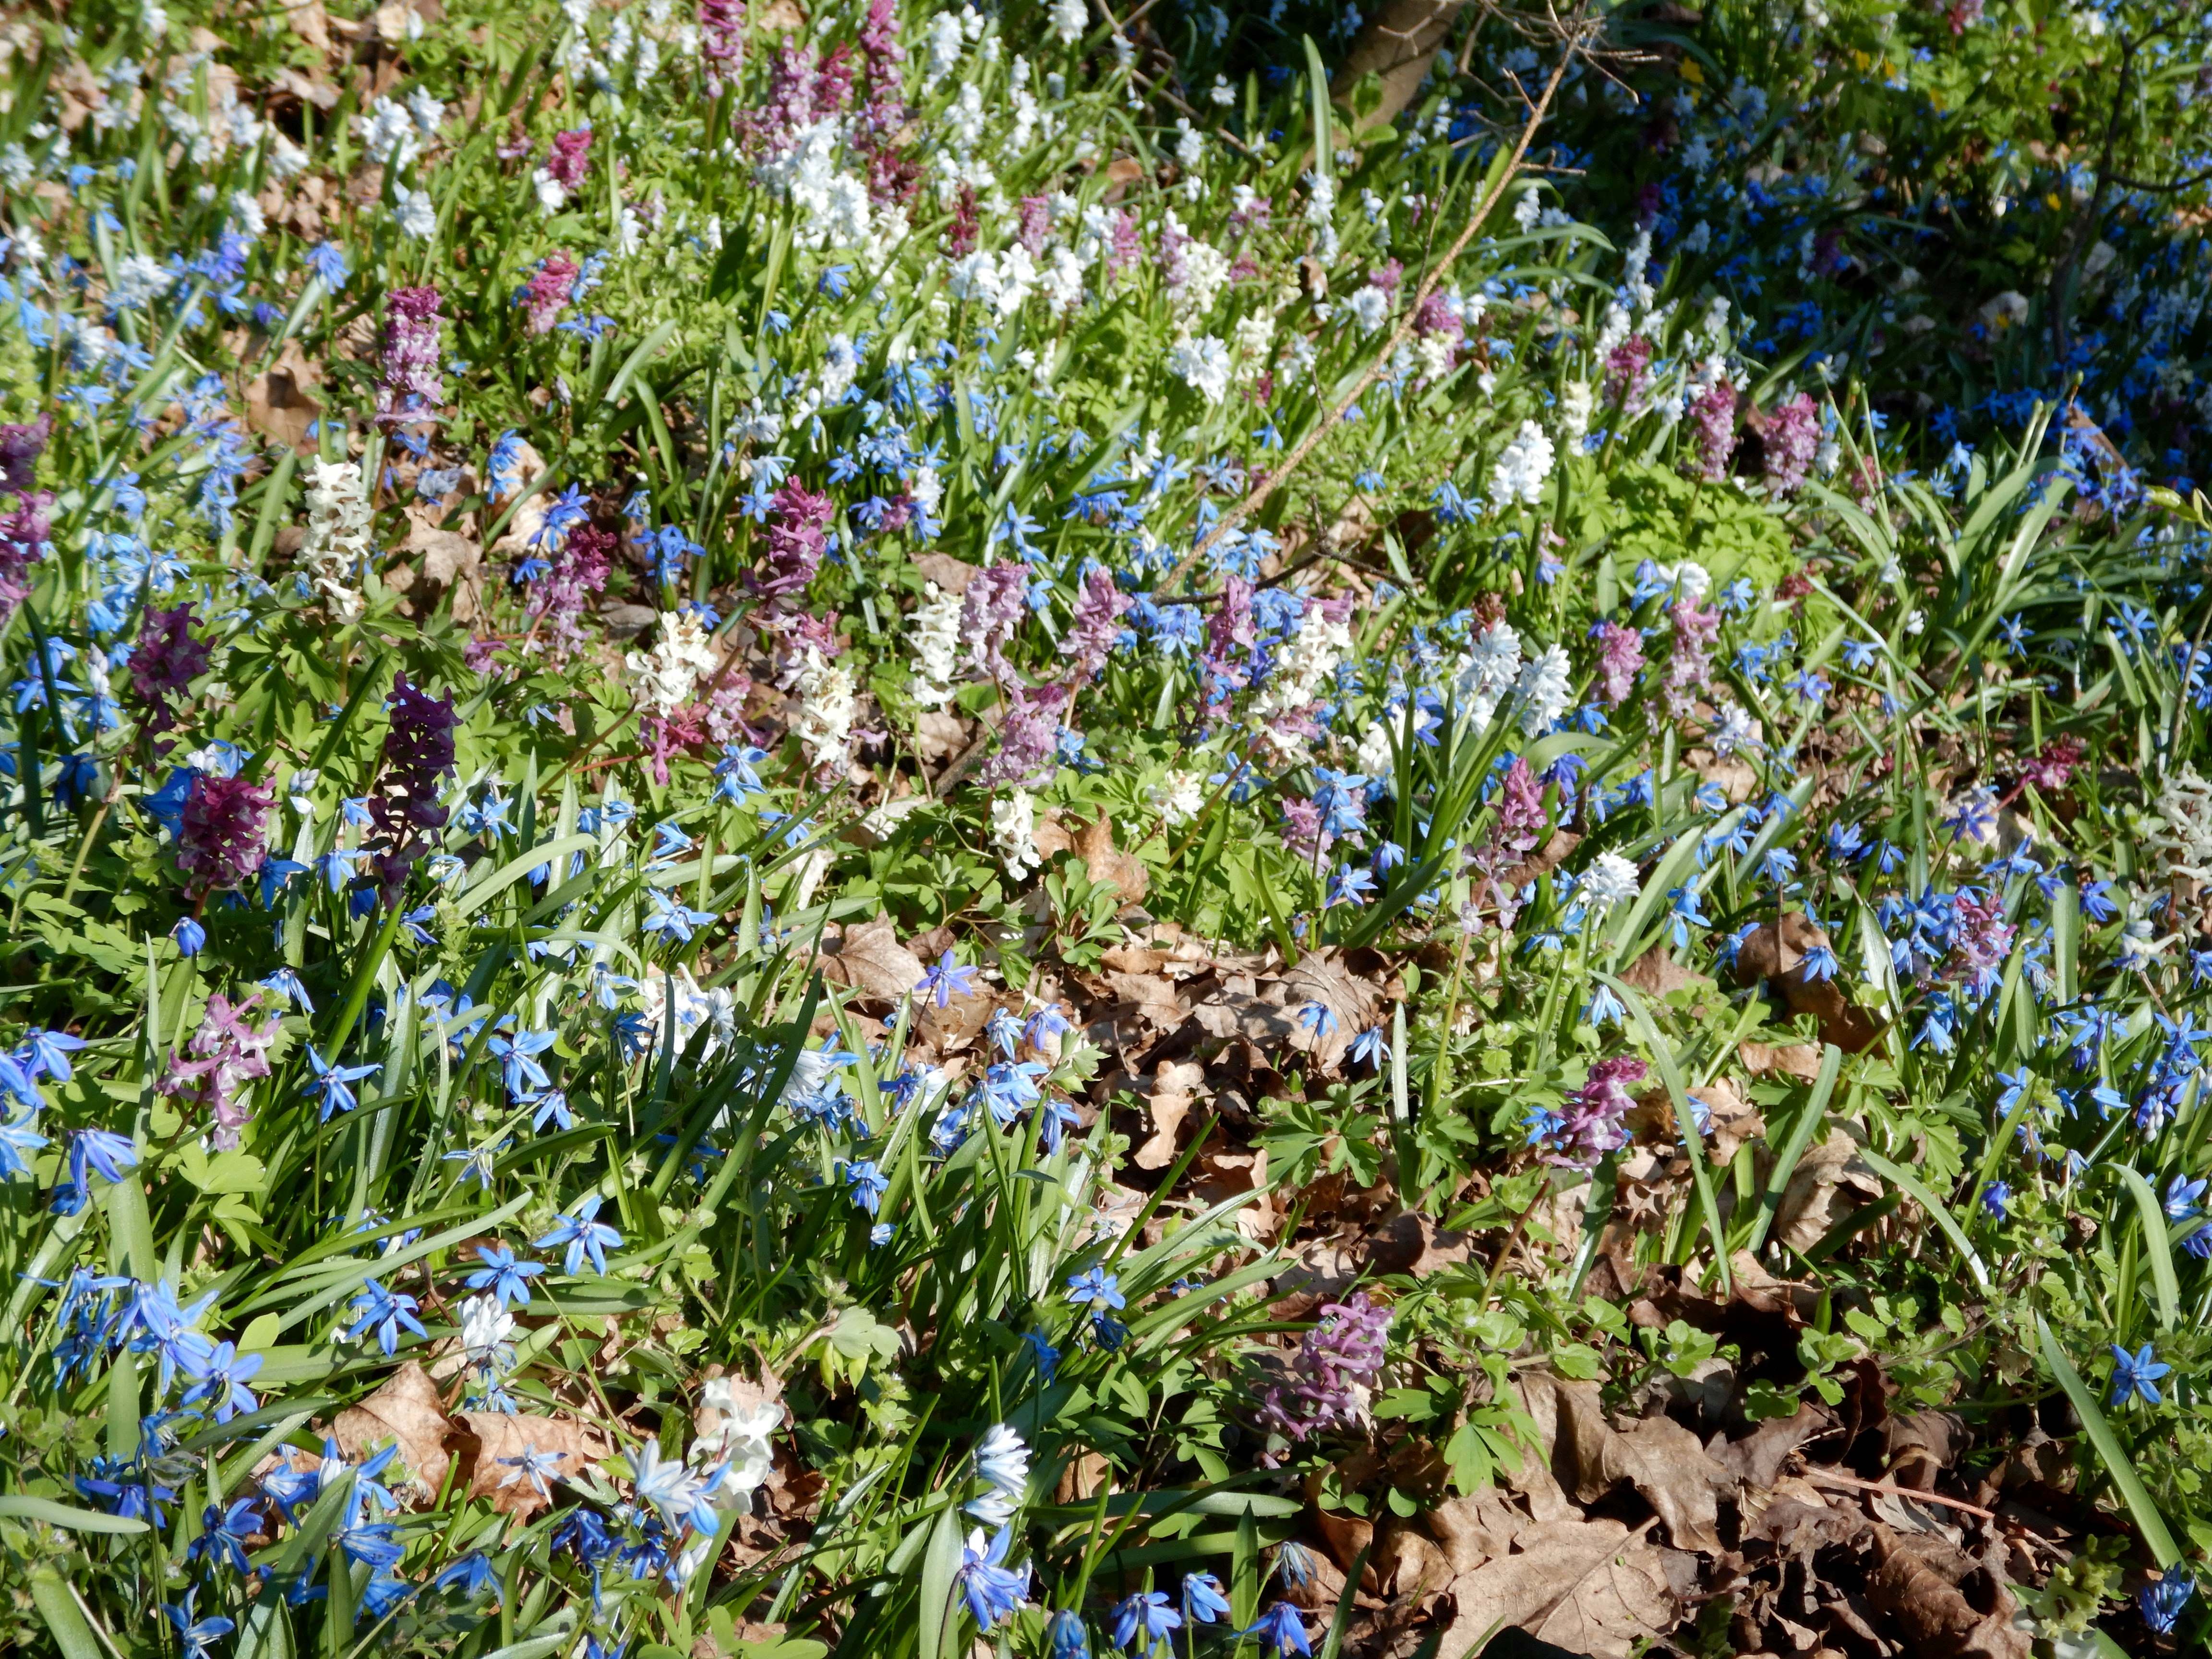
1260 493
1823 1477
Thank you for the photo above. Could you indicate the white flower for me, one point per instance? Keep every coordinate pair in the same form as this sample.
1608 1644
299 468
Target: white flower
1067 18
1491 670
1061 282
1190 144
552 194
1179 797
416 212
1199 283
1202 363
1002 1457
715 1010
1733 730
139 279
668 675
1526 209
389 134
935 635
826 710
245 214
1546 691
336 547
744 1439
1610 880
487 1333
1370 307
1575 407
1522 470
1013 832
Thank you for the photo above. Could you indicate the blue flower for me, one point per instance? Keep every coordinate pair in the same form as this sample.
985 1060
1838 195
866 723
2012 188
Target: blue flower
1047 1357
46 1053
867 1184
946 979
1281 1628
190 937
1203 1597
198 1635
674 919
2161 1603
1069 1639
505 1277
518 1066
2182 1196
1097 1288
2136 1373
386 1313
329 1083
586 1235
471 1574
1144 1618
1371 1047
1995 1197
992 1590
224 1533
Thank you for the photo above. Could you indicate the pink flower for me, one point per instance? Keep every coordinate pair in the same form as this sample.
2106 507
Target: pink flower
568 163
1619 654
1029 739
1690 670
25 533
411 388
548 292
418 753
20 449
1628 373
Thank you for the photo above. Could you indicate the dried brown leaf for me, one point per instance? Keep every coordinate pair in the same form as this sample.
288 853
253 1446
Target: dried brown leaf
1946 1604
1798 1059
406 1409
1107 864
1176 1088
950 574
1583 1576
280 402
500 1437
1828 1183
1663 1461
869 959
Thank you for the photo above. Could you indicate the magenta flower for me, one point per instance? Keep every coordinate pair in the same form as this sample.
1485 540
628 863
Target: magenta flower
1029 738
1591 1126
222 835
990 610
25 535
1690 670
547 294
20 449
797 538
721 40
1628 374
569 162
227 1052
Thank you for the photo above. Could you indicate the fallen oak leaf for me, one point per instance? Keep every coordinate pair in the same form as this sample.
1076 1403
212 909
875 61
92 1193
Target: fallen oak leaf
869 959
1176 1087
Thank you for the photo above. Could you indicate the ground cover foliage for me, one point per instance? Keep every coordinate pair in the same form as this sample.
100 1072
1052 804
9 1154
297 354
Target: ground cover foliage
857 829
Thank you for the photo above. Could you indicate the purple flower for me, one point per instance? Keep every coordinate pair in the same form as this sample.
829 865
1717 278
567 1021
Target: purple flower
1792 438
990 610
25 532
1029 739
20 449
166 659
227 1053
418 753
1590 1126
411 388
797 538
222 838
1336 1367
1712 422
1690 668
1096 626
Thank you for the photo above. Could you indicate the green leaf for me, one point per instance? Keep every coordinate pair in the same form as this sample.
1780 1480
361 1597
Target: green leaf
16 1506
2125 1481
2158 1247
1936 1211
939 1568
